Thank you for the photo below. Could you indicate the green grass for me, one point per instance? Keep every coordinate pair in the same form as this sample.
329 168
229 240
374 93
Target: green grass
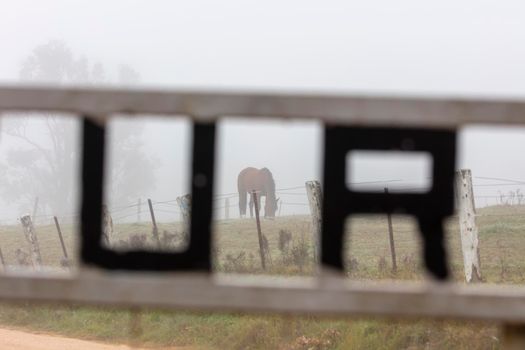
367 254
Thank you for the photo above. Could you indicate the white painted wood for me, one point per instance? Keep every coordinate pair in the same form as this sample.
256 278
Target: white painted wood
30 234
206 105
467 225
315 199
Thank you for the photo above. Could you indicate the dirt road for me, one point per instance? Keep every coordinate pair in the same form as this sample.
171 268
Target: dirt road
20 340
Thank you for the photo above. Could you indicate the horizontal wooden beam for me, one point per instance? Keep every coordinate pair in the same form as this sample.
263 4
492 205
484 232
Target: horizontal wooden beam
327 295
443 112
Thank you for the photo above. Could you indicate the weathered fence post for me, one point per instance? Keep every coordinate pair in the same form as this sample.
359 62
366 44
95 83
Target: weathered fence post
227 208
107 225
259 232
391 238
64 250
315 198
467 225
155 231
185 208
30 234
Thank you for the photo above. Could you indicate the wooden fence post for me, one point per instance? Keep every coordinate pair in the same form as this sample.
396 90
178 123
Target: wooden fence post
185 211
30 234
259 232
467 225
227 208
391 238
155 231
107 225
315 199
64 250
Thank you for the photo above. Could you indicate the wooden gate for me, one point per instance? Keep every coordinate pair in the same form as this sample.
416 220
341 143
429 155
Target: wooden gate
350 123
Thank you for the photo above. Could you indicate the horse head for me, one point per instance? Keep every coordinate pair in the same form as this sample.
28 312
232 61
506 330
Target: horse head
272 204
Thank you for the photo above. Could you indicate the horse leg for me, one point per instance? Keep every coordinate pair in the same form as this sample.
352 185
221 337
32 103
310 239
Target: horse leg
251 206
259 205
242 203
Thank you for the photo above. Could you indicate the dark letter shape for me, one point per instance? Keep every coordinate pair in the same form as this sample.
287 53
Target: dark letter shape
196 257
430 208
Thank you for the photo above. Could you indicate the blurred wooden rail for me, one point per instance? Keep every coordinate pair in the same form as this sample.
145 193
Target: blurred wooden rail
303 295
209 105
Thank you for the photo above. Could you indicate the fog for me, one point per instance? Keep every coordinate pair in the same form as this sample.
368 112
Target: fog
471 48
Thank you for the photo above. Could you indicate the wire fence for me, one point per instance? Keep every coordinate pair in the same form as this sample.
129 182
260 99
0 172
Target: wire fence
293 200
296 197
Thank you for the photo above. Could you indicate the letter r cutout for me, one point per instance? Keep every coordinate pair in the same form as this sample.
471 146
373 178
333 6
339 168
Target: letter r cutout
430 208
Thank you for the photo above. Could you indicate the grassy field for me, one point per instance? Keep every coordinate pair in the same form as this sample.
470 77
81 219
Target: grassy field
289 240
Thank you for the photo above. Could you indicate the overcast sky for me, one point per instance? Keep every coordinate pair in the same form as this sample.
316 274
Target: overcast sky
392 47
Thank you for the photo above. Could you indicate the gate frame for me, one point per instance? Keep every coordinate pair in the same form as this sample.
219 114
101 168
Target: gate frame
332 293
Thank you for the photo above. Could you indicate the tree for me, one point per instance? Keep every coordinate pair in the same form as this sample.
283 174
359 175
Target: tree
44 153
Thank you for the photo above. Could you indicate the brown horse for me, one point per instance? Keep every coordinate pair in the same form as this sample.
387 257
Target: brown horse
261 181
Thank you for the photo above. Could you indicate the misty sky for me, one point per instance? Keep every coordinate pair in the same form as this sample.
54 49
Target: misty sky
402 47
